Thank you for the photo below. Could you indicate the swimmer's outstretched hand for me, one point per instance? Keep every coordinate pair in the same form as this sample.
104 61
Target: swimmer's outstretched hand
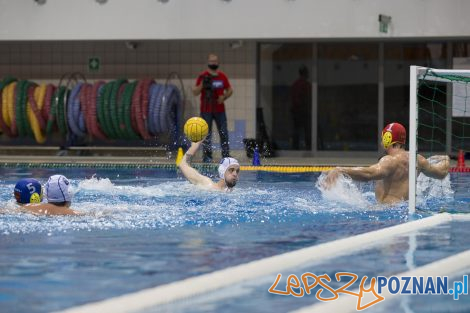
194 146
331 178
439 158
190 153
440 162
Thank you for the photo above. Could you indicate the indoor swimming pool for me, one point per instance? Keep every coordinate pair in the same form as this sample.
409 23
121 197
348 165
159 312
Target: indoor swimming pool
143 228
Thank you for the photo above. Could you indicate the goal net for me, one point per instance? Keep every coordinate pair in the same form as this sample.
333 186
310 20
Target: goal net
439 118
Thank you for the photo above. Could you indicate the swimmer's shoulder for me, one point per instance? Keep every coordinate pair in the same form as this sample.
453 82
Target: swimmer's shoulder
400 157
386 158
48 209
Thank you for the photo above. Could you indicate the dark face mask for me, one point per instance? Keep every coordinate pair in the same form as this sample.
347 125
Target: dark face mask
213 66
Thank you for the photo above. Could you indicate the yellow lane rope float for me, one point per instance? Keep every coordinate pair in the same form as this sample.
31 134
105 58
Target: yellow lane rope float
6 116
286 169
9 115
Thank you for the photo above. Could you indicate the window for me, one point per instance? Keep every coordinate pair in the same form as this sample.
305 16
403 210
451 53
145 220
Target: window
347 96
286 94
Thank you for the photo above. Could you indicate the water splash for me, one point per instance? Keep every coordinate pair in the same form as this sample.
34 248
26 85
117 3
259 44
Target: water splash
344 191
158 202
429 189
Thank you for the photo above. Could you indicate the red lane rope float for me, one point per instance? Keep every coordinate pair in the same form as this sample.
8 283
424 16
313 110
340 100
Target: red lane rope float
145 104
95 130
140 102
134 103
40 96
459 169
34 107
47 101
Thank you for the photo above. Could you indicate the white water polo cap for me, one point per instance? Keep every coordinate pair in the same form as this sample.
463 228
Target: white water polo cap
225 163
57 189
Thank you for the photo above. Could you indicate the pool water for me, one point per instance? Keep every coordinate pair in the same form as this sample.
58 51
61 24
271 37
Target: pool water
144 228
394 256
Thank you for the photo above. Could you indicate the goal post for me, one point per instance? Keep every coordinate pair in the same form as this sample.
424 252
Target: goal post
412 141
439 117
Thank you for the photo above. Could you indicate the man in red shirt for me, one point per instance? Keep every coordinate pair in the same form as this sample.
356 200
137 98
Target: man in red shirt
214 88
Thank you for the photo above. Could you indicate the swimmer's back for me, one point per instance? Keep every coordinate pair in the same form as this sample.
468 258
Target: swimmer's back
394 187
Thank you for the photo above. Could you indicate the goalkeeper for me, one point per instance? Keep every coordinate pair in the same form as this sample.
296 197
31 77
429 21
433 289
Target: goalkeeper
391 172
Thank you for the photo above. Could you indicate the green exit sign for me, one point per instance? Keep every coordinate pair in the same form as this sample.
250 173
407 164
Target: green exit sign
384 23
94 64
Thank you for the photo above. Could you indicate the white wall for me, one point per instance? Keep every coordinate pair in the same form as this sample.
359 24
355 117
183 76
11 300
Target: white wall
215 19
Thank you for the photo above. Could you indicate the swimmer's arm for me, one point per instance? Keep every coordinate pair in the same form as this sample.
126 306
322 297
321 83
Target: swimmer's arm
438 170
374 172
190 173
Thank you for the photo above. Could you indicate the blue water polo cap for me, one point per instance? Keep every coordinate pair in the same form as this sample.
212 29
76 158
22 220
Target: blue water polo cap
28 190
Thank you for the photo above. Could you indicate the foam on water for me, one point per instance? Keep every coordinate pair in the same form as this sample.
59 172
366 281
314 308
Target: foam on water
344 191
175 203
428 189
136 203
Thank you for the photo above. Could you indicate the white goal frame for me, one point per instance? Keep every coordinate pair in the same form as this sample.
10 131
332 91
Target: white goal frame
416 73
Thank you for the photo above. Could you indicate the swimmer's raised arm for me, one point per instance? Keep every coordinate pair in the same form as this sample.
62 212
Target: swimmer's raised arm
190 173
377 171
438 170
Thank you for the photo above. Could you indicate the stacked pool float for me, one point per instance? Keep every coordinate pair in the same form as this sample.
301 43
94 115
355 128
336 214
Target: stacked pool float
117 109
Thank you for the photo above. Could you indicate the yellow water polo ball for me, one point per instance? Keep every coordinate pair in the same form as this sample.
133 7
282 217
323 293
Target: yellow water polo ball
196 129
